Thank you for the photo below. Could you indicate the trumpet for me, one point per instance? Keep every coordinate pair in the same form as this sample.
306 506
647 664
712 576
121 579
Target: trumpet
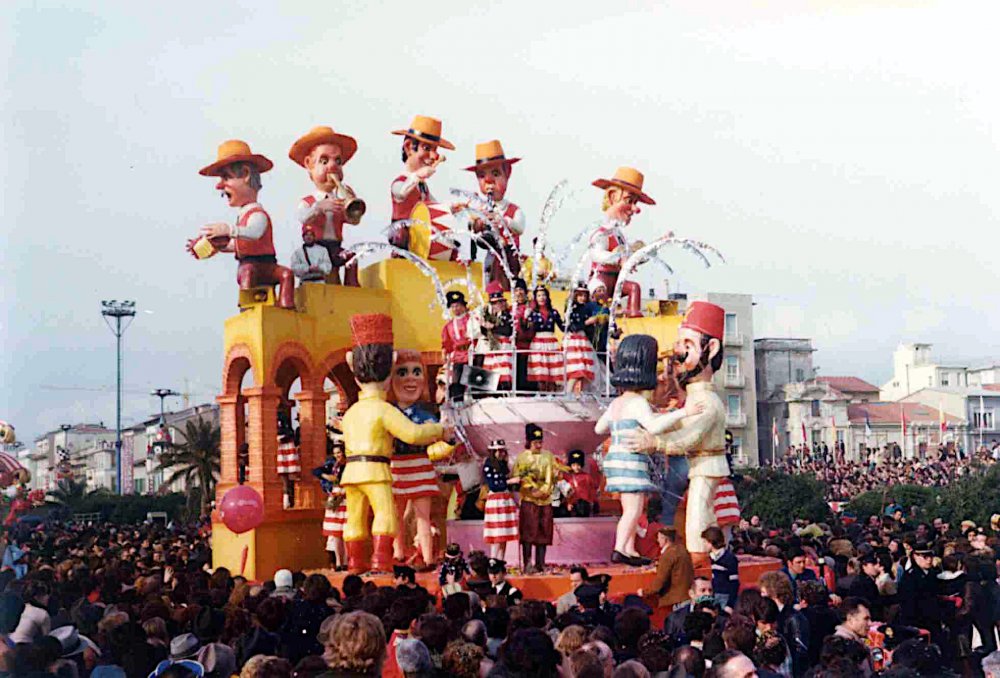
354 207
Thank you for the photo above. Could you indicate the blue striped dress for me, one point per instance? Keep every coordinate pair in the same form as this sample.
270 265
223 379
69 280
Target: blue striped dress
626 471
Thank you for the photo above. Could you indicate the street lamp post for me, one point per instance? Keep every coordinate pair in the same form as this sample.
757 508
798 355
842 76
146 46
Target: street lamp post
163 437
162 394
118 310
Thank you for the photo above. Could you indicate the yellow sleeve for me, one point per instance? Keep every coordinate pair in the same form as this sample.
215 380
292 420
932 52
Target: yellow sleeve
689 436
401 428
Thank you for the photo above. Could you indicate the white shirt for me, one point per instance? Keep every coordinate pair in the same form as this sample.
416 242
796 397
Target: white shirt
256 224
34 622
317 255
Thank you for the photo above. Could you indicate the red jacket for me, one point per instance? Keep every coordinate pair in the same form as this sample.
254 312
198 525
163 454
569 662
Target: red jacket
455 340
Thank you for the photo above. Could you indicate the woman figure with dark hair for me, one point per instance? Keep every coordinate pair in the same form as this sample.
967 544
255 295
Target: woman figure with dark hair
628 473
545 357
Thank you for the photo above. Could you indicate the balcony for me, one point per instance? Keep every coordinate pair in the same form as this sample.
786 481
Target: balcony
736 419
733 339
735 381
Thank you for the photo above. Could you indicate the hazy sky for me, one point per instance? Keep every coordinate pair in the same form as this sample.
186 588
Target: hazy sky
842 154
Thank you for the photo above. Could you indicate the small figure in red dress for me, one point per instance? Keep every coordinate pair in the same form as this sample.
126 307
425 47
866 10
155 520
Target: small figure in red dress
420 160
506 220
622 195
584 496
323 153
250 238
455 343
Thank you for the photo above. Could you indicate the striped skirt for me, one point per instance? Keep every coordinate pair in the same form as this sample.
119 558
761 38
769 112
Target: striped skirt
334 521
500 522
413 476
545 358
579 356
727 508
501 361
626 472
288 459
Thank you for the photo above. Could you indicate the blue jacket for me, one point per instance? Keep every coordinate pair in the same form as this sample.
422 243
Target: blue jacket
726 575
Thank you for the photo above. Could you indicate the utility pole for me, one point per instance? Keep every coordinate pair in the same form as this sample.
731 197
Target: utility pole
118 310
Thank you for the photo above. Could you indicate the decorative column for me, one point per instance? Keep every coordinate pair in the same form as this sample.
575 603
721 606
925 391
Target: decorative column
262 435
312 445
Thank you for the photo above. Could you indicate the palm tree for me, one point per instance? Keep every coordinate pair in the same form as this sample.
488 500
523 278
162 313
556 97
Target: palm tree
196 459
69 493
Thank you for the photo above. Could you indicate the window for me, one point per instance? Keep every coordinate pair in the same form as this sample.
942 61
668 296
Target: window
140 485
731 327
732 367
736 446
840 436
982 419
944 379
733 404
814 408
800 375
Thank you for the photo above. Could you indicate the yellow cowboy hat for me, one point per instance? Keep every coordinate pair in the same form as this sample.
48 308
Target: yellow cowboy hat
233 151
322 135
628 178
490 153
426 129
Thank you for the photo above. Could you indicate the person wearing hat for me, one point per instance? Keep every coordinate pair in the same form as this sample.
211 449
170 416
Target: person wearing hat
497 572
311 262
335 515
422 142
546 363
534 472
579 350
523 333
184 646
504 222
250 239
371 426
453 570
455 342
697 355
500 513
323 153
493 330
583 496
918 586
622 195
629 473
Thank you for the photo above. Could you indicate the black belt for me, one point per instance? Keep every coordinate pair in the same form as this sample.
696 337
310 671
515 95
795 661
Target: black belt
259 259
374 458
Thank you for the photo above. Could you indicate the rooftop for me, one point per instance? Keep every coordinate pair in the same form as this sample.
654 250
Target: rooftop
892 413
849 384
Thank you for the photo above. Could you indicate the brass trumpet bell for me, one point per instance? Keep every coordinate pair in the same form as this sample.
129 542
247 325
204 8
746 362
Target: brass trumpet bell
354 207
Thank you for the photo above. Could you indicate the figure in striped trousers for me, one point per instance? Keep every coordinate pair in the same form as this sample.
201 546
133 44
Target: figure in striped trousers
414 481
335 516
288 464
628 473
501 514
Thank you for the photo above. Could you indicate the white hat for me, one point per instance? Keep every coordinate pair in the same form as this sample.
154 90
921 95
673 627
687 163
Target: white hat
72 642
595 283
283 579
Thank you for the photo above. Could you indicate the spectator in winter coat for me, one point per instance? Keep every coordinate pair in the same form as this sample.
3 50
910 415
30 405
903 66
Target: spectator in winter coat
725 567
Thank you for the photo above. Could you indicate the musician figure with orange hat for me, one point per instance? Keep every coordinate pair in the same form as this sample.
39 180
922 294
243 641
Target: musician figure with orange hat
701 437
421 156
608 250
323 153
250 238
504 223
371 426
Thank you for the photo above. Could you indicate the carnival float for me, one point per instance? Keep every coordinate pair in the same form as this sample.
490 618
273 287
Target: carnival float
442 367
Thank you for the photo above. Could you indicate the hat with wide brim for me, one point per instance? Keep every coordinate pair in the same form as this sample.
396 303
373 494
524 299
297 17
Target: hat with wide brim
428 130
234 151
322 135
72 642
629 179
488 154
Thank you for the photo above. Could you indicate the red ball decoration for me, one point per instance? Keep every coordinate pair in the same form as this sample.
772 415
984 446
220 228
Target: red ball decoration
242 509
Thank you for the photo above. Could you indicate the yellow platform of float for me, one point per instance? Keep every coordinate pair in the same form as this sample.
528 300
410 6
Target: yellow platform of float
279 347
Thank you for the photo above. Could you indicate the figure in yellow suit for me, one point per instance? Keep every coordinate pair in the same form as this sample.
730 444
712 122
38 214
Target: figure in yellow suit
370 427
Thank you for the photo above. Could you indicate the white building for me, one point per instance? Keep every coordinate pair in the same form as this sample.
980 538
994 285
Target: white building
43 457
914 369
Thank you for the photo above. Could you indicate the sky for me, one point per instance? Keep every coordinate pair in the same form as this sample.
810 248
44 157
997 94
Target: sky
842 155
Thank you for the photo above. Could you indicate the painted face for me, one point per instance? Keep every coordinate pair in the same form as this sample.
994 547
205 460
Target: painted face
457 309
687 354
493 180
440 391
421 154
322 161
408 382
235 187
624 205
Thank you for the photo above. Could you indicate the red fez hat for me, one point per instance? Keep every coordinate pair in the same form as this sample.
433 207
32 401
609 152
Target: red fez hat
494 289
372 328
706 318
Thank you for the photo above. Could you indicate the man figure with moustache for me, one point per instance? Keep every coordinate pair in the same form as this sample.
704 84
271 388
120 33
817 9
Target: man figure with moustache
421 156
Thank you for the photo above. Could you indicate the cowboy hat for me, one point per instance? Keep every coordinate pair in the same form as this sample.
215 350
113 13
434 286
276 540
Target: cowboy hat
184 646
322 135
628 178
426 129
490 153
234 151
72 642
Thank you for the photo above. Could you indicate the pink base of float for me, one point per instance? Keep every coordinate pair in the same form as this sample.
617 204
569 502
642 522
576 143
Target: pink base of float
575 541
624 580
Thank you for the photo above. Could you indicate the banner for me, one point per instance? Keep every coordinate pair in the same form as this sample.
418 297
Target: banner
127 459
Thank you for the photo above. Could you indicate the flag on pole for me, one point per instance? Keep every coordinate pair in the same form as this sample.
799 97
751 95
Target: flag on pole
774 433
804 441
941 422
868 427
902 419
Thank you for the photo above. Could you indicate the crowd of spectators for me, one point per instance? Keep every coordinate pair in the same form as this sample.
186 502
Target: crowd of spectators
854 599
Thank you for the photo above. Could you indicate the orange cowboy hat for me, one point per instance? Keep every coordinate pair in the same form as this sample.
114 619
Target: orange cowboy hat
426 129
490 153
322 135
628 178
233 151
